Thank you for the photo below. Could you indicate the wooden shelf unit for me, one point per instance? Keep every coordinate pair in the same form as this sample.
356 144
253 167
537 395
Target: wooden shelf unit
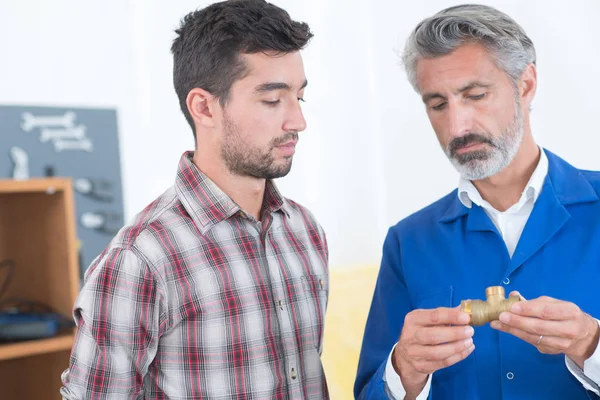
29 348
37 232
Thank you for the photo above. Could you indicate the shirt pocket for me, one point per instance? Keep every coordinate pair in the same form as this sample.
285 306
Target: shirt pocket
438 297
316 289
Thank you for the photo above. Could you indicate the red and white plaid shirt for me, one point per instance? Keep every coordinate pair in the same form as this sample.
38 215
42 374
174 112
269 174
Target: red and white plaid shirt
198 300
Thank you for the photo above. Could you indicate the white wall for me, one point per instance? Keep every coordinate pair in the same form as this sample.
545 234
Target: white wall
70 53
368 157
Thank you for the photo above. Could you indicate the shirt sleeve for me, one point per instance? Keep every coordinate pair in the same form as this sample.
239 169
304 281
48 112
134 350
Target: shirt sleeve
590 375
394 386
119 316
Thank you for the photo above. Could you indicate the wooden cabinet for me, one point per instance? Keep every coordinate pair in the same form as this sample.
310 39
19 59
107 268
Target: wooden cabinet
37 231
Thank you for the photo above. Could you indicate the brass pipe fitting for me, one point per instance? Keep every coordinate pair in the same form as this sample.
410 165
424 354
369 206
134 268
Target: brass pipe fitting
482 312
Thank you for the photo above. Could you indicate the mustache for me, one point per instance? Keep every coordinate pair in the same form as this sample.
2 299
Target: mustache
467 140
285 138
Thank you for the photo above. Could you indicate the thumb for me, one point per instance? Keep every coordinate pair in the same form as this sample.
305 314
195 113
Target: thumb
516 293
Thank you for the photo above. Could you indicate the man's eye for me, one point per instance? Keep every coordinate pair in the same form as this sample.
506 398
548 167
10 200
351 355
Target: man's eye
271 103
439 107
477 96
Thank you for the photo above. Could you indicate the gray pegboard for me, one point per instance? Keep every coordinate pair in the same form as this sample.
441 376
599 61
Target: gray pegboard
80 143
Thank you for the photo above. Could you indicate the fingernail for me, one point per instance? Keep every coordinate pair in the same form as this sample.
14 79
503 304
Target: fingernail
516 308
464 318
468 343
504 317
495 324
469 331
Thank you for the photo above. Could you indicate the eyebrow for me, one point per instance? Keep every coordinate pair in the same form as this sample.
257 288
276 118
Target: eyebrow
473 85
271 86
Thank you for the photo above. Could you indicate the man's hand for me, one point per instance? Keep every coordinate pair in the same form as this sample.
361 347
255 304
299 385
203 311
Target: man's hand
553 326
430 340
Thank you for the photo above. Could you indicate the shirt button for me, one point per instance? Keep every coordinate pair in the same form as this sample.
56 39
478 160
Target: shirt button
321 283
506 281
294 374
510 375
281 304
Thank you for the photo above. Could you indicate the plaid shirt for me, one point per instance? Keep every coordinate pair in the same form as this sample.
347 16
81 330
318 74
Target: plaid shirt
198 300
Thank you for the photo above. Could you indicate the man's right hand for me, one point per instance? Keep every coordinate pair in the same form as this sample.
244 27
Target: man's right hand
430 340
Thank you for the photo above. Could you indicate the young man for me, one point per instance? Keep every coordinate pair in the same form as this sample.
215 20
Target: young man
218 289
522 218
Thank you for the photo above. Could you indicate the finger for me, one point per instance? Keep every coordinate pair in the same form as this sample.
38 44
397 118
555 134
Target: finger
439 316
553 345
443 334
547 344
538 326
516 293
441 352
546 308
521 334
453 359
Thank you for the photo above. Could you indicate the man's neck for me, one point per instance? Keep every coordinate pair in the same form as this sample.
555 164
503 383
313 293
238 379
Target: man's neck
504 189
246 192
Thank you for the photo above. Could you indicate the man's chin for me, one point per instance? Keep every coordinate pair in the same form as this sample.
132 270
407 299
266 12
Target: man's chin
280 173
478 172
275 172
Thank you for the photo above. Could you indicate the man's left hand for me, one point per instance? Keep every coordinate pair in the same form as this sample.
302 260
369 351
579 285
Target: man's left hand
553 326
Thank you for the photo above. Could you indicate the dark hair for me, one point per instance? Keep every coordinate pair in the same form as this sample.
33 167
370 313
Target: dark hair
206 51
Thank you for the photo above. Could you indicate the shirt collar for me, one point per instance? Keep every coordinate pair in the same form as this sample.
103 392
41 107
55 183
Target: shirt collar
468 193
207 204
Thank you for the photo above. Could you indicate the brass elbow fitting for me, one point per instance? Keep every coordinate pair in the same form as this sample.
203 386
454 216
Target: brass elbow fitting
482 312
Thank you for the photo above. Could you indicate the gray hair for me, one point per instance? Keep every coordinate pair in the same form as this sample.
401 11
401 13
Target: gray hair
441 34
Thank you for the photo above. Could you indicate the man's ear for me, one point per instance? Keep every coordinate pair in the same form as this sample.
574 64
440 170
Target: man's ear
201 106
528 85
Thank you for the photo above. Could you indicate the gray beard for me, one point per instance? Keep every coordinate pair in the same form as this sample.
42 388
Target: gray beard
482 164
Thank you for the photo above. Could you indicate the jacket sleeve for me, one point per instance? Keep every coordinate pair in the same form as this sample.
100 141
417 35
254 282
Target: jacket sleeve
390 304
